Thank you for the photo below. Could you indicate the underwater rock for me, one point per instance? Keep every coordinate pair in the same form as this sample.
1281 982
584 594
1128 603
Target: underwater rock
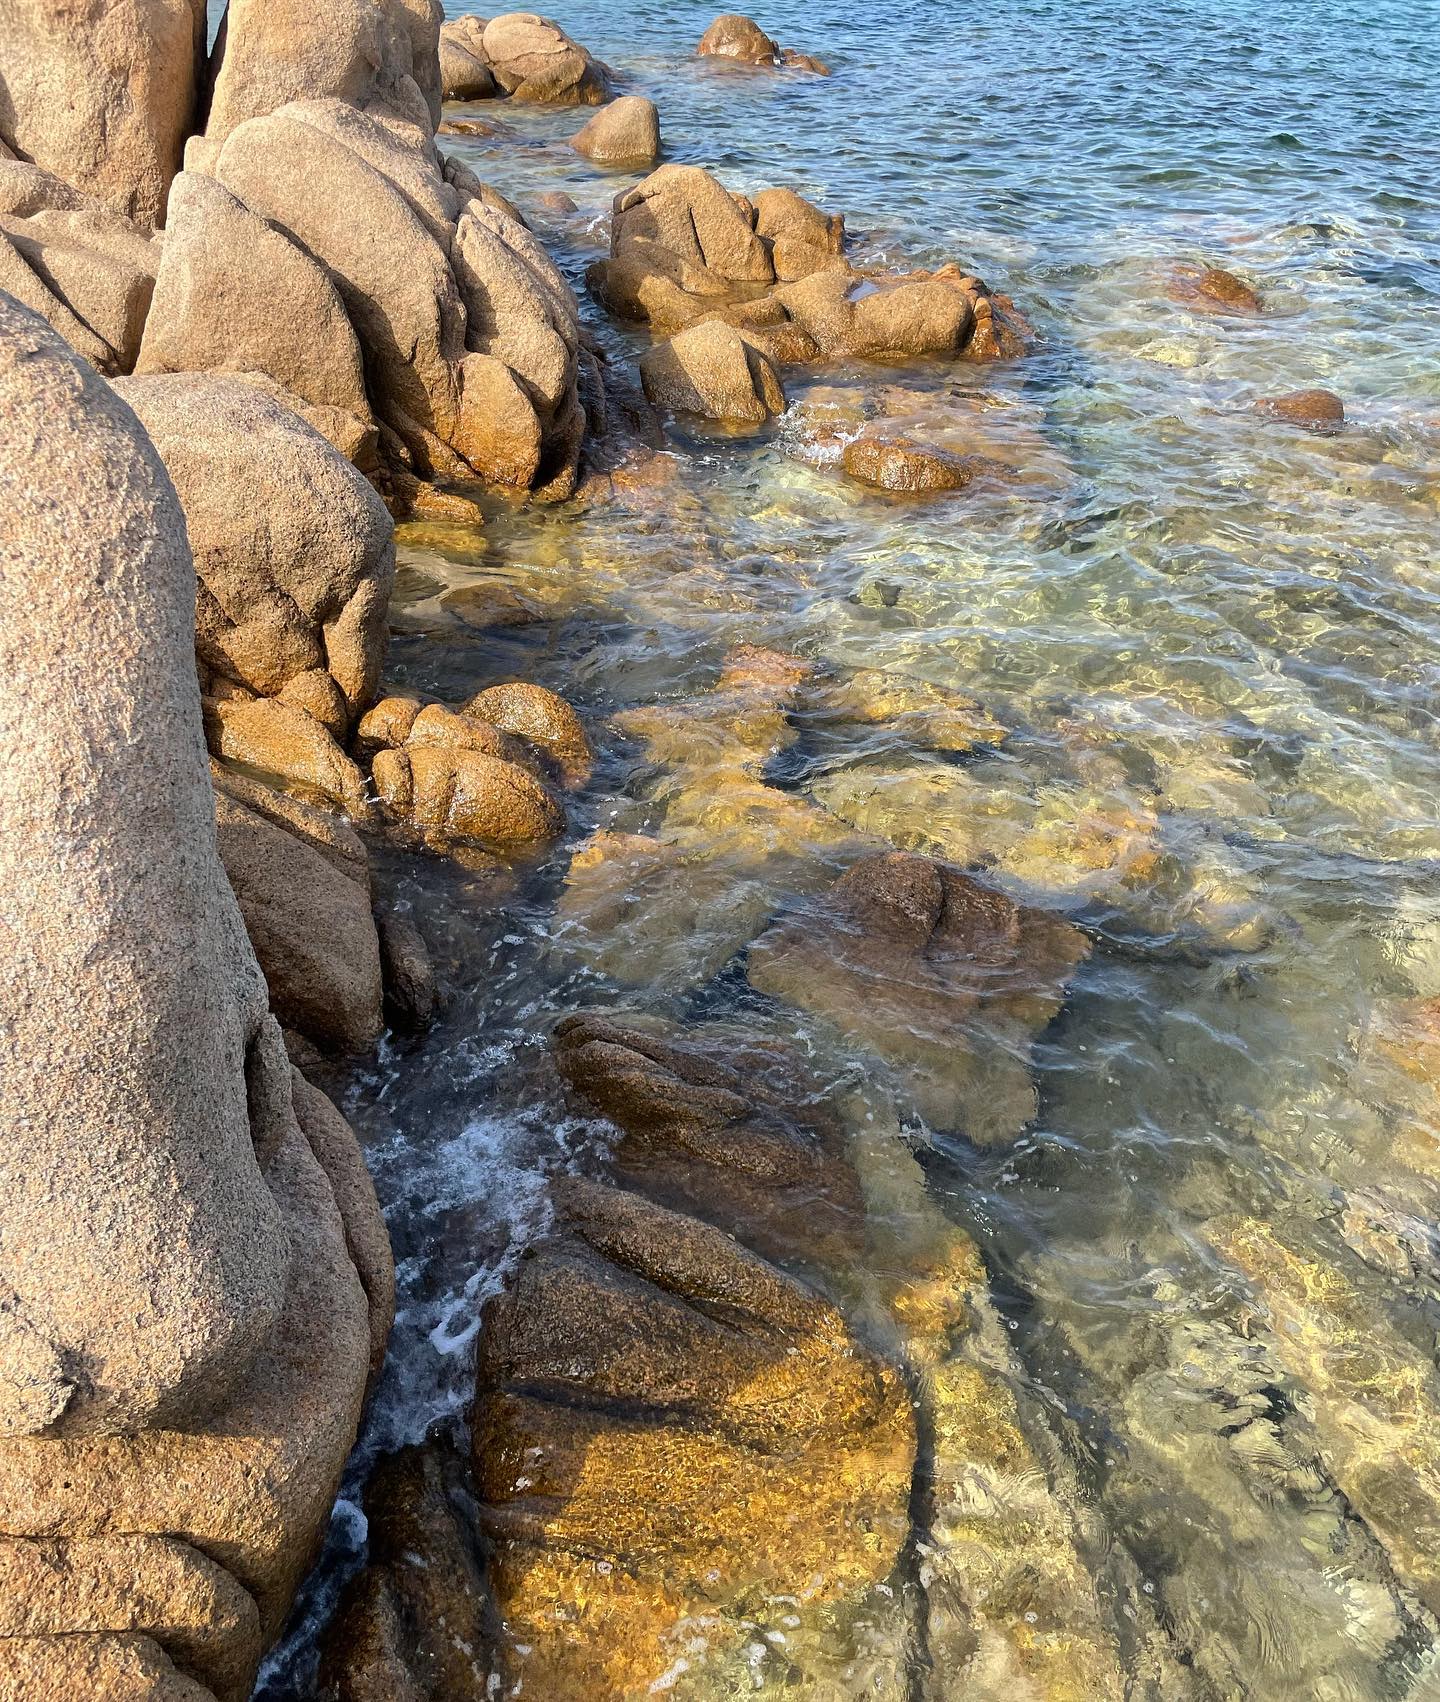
1314 410
712 370
412 997
1212 288
625 133
668 1431
186 1339
414 1624
533 59
103 93
721 1125
945 979
296 583
893 461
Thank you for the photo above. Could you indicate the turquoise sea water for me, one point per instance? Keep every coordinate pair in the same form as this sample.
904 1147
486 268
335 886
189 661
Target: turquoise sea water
1213 641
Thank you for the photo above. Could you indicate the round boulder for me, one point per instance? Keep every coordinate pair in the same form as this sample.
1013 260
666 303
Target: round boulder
625 133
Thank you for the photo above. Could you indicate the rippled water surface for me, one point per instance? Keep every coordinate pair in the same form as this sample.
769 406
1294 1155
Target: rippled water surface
1211 642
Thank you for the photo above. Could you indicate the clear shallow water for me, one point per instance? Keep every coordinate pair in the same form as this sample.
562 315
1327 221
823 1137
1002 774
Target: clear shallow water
1212 642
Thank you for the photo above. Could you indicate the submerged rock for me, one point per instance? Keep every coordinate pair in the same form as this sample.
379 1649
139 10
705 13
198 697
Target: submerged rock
1211 288
722 1125
1314 410
894 462
668 1432
945 979
415 1623
625 133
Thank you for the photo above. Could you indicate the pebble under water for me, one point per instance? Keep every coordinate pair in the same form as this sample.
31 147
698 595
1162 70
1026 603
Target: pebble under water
1208 643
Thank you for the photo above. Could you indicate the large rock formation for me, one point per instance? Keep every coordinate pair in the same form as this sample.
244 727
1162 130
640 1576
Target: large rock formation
684 249
740 40
533 59
102 93
194 1281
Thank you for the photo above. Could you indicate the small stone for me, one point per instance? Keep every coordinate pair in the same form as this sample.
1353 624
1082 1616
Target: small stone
1312 410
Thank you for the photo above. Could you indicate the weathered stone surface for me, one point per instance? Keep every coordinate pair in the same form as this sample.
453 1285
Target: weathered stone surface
733 36
533 59
103 93
1314 410
310 925
294 550
123 1668
625 133
944 978
659 1401
97 265
455 793
134 1064
221 275
464 71
801 237
414 1624
166 1590
721 1125
542 718
285 741
893 461
686 212
715 372
382 55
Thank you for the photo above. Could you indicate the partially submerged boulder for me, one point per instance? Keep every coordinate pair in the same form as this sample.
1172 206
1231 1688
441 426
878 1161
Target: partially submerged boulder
533 59
625 133
1319 411
669 1430
712 370
735 37
1213 289
294 551
893 461
103 93
945 979
684 249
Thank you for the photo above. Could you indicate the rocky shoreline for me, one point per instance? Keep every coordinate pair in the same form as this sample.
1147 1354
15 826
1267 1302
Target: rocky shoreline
749 1411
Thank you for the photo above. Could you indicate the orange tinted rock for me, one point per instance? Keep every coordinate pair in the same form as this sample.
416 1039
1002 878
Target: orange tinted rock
542 718
1212 287
1313 410
711 370
893 462
627 132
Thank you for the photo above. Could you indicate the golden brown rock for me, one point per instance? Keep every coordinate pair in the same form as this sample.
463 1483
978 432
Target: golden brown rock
541 717
625 133
892 461
711 370
647 1451
1314 410
282 740
452 793
533 59
1211 288
733 36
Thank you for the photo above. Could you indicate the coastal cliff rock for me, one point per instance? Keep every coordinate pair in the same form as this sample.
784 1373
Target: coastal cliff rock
944 978
625 133
684 249
668 1432
186 1333
221 273
103 93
